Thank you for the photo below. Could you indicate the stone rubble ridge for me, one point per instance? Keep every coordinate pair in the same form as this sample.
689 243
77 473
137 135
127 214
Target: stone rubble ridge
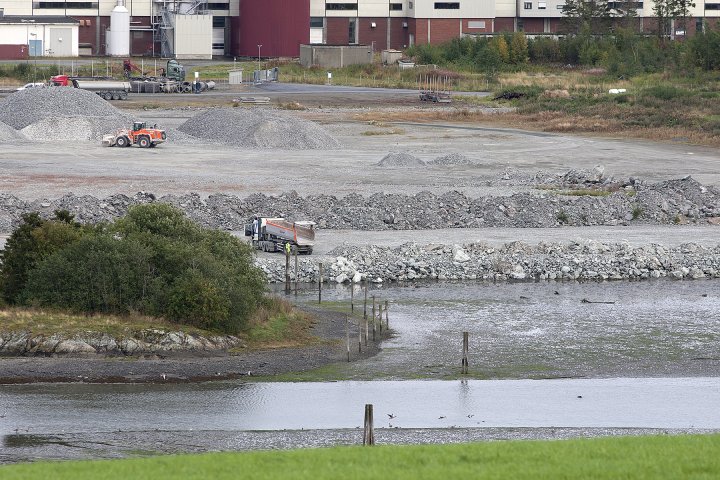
515 261
669 202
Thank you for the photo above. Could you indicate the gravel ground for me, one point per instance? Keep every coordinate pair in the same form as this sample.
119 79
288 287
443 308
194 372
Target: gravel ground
258 128
34 104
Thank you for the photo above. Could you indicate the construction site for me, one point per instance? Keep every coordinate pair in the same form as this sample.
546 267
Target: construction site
224 164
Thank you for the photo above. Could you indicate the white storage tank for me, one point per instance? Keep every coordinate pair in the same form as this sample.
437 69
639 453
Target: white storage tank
119 33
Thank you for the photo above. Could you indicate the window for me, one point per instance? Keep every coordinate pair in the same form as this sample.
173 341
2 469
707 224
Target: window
542 5
352 30
218 21
341 6
317 22
138 35
447 5
218 46
527 5
396 6
712 6
63 5
476 24
218 6
699 25
520 25
410 5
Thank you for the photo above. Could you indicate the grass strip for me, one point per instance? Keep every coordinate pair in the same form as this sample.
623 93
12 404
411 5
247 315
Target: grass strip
653 457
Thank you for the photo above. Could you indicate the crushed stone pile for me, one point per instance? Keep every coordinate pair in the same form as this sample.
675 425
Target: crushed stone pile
671 202
515 261
400 160
452 159
258 129
59 129
26 107
9 135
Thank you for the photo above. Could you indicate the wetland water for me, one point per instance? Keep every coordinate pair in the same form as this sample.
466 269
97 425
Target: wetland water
651 360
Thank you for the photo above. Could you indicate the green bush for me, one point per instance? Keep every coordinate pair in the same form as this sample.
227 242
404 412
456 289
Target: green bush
154 261
34 240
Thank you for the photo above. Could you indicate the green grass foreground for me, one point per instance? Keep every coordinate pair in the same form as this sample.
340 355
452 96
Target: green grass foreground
655 457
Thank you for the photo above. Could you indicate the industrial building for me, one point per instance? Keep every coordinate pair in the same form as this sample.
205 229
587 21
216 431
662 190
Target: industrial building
272 28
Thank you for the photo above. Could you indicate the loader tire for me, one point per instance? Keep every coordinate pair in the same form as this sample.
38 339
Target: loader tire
122 142
144 142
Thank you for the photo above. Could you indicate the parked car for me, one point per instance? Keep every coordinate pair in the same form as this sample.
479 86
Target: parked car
32 85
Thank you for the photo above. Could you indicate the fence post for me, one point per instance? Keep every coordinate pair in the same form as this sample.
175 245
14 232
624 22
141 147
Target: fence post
387 317
347 335
287 269
368 434
296 272
365 302
373 316
320 279
359 336
380 310
352 296
465 353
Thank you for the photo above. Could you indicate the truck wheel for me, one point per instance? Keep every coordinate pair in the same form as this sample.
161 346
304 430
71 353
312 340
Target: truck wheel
163 135
123 96
116 96
106 95
144 142
122 142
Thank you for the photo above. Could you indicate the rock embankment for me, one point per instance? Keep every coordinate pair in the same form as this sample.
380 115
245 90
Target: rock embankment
670 202
143 342
514 261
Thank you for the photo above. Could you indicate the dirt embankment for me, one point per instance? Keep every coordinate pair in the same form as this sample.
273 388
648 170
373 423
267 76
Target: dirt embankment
326 348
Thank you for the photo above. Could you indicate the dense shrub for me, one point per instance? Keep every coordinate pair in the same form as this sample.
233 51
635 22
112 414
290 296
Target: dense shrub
153 261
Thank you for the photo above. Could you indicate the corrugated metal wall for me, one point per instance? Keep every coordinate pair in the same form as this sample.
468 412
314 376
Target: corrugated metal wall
280 26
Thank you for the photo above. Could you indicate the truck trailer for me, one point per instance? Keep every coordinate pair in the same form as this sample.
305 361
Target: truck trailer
108 89
273 234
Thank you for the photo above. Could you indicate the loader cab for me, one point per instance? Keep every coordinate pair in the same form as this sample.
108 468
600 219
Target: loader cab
138 126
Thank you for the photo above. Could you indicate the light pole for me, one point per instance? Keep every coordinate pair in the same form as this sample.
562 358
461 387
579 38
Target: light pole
259 46
34 35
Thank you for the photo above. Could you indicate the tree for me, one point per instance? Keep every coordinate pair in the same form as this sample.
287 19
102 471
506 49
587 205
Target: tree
34 240
157 262
518 48
501 46
593 15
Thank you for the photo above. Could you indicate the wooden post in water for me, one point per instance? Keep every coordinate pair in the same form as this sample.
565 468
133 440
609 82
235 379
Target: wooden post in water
368 434
365 302
320 279
347 335
387 317
359 336
296 272
352 296
287 268
465 349
373 316
380 308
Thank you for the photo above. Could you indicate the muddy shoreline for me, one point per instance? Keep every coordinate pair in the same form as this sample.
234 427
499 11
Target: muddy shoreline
328 349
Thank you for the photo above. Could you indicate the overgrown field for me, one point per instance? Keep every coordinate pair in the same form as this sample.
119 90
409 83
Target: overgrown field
686 457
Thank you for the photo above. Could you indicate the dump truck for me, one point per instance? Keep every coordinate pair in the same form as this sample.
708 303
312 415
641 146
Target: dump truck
107 88
272 234
140 135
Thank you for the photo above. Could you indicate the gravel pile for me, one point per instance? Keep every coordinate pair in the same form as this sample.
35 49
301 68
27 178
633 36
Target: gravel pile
258 129
59 129
28 106
9 135
514 261
672 202
400 160
452 159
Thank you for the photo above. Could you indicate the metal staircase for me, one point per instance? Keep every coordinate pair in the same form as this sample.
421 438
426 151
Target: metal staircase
163 22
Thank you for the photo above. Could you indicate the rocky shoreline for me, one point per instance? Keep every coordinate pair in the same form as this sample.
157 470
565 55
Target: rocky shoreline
514 261
163 365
